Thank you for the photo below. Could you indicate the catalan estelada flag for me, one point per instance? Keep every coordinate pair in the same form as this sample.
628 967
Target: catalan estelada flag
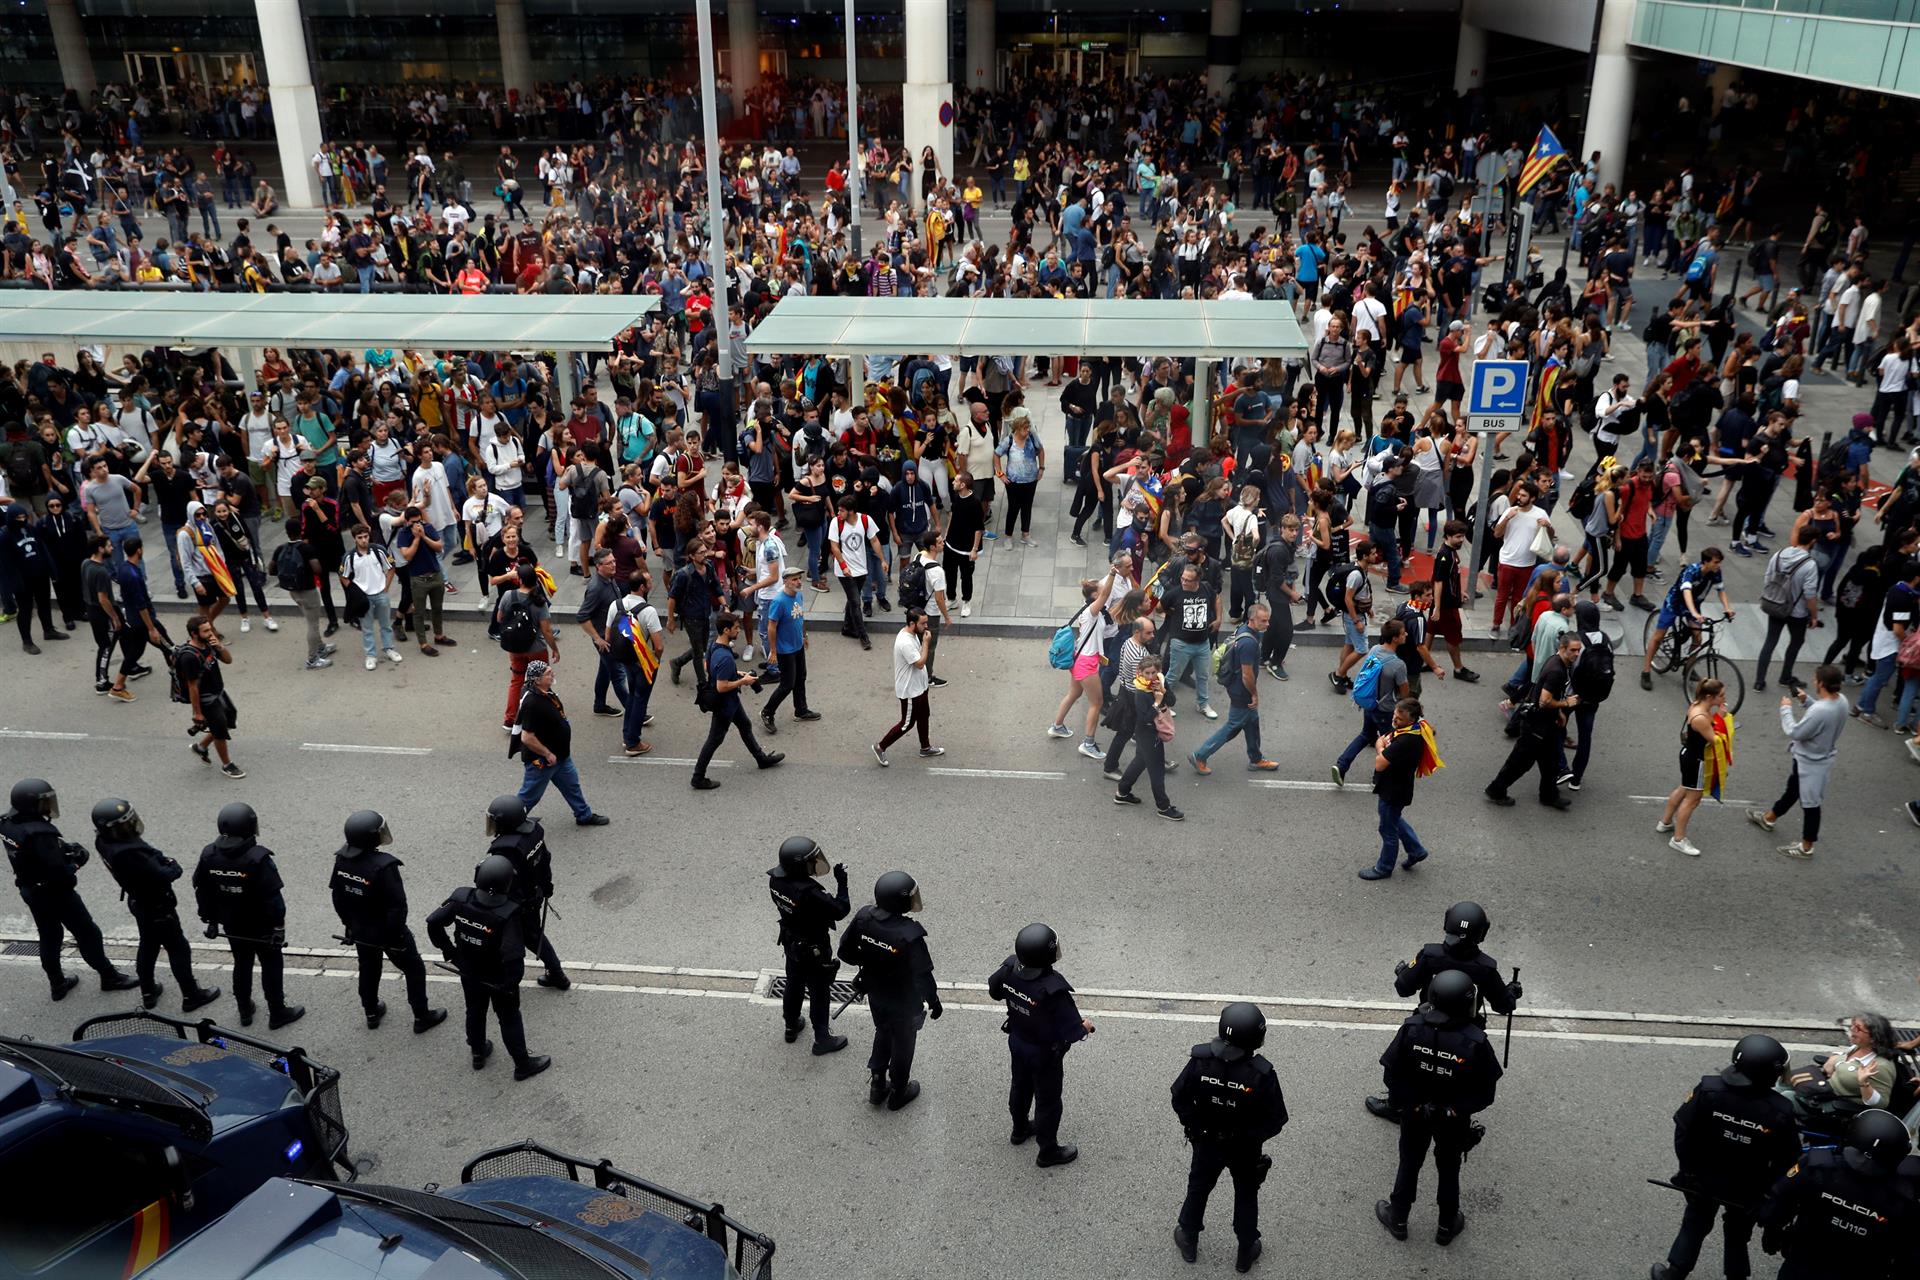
1719 756
1546 153
628 629
200 533
1430 761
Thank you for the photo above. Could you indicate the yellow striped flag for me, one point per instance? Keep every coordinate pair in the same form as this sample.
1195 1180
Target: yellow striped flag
1546 153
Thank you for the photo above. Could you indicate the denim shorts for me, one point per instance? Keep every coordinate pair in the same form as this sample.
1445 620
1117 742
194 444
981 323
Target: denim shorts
1355 636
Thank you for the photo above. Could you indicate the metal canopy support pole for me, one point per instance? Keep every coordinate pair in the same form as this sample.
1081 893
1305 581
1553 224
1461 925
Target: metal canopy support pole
1202 419
564 379
854 185
716 233
249 361
1480 515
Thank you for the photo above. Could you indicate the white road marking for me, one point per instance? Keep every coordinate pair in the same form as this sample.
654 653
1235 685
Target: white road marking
363 749
1027 775
1734 804
682 760
35 733
1289 784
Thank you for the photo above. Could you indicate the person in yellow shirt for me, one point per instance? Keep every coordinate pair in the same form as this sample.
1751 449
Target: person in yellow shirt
1021 172
970 198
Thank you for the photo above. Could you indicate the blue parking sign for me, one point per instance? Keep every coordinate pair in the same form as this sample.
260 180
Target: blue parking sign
1498 388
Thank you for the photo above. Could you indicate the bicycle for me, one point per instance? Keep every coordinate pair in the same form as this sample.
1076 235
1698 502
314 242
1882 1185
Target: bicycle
1703 661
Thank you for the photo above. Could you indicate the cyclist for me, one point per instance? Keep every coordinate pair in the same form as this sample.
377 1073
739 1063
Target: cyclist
1682 605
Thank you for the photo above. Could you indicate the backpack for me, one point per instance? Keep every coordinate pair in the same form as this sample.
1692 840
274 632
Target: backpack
1584 496
176 688
20 469
1245 548
1757 256
1697 269
1337 578
1593 675
290 569
1065 645
1366 683
518 631
1833 460
913 584
1778 592
583 495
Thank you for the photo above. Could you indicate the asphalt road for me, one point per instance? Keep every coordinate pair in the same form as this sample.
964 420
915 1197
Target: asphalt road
1254 895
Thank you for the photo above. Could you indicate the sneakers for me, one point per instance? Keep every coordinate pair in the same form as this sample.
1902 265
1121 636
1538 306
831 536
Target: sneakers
935 682
233 771
372 662
1209 713
206 757
1913 811
246 625
1795 851
1687 847
1277 671
1759 818
121 695
1646 681
930 752
270 624
1091 750
1612 602
316 663
1112 775
1466 675
966 610
880 756
393 656
1339 776
1171 814
1663 826
1059 731
1200 766
1125 797
804 717
1262 766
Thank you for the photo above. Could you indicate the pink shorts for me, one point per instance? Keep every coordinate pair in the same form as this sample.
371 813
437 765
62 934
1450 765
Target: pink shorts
1085 665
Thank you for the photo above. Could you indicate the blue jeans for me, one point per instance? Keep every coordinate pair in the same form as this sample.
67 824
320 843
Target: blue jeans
518 497
1657 358
816 540
1077 428
1657 538
131 533
376 629
1386 537
635 720
1182 657
1883 671
1374 723
879 570
1239 720
171 533
1394 832
610 674
562 775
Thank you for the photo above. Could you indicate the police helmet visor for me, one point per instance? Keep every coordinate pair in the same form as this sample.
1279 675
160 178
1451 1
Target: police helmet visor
914 903
817 864
134 824
385 838
50 807
493 825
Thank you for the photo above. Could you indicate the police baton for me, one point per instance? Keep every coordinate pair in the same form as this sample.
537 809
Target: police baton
455 971
854 993
1735 1205
1507 1050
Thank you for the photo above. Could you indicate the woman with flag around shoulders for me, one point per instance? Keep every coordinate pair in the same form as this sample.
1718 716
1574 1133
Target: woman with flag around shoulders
1399 757
1706 754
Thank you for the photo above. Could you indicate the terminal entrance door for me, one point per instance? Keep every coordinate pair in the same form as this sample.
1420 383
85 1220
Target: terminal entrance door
170 74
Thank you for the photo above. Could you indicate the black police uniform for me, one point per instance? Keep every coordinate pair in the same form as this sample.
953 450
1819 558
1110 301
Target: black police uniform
487 944
1837 1213
44 867
1439 1071
526 848
1437 958
237 886
1733 1142
1042 1024
808 915
1229 1106
145 876
896 971
372 905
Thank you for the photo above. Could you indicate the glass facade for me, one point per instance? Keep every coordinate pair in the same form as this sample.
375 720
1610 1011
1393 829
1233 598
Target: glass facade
1864 44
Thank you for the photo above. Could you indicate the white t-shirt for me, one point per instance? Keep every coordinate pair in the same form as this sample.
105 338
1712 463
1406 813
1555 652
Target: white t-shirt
137 425
1869 315
936 584
1367 315
909 681
259 428
369 569
771 555
1239 522
975 447
853 539
1516 544
486 514
648 617
1893 372
431 495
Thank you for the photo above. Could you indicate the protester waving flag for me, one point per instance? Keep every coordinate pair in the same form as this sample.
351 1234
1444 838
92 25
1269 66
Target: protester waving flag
1546 153
1430 761
1719 757
200 531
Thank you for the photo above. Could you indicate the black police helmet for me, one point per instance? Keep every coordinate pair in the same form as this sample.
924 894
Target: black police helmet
34 798
1880 1137
494 876
802 856
1757 1060
897 892
1451 994
1467 920
114 817
238 822
367 830
505 814
1036 947
1243 1028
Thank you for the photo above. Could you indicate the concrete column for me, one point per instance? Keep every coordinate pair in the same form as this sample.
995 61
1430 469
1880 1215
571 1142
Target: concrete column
516 59
980 45
296 110
70 42
1470 59
1610 96
743 51
927 88
1223 45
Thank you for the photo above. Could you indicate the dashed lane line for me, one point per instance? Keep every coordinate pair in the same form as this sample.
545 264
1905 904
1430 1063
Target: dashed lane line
365 749
685 761
1023 775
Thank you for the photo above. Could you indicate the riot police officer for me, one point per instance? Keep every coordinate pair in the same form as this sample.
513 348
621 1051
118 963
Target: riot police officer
896 972
808 916
1734 1137
1844 1211
237 889
145 876
1440 1070
1229 1101
522 841
1042 1024
487 943
1466 927
44 867
372 905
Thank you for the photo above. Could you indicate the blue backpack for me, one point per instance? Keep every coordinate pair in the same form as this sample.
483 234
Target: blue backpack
1065 644
1697 269
1366 683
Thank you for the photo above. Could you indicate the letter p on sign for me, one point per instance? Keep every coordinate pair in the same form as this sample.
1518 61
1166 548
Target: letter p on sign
1498 388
